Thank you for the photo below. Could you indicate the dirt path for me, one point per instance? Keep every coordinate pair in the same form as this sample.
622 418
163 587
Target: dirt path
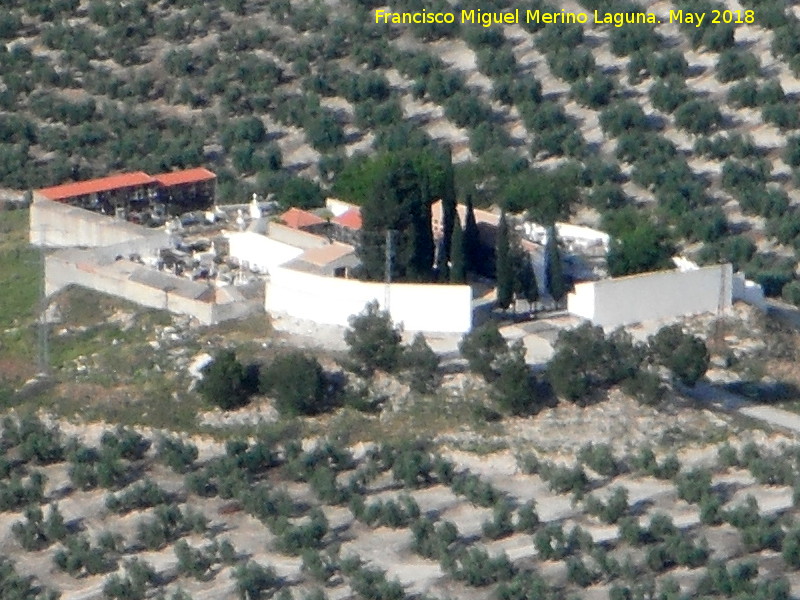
722 399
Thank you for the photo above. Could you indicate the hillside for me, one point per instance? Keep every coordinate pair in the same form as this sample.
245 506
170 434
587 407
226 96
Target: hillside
696 123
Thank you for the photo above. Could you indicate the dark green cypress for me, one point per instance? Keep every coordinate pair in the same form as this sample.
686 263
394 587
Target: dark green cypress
458 262
504 265
525 285
554 269
472 239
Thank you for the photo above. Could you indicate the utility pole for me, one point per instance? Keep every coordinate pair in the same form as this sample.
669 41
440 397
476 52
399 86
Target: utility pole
389 264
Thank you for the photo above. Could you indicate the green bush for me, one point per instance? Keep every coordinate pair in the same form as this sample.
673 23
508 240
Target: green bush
599 458
124 443
684 354
36 532
563 480
296 381
500 525
481 346
254 580
421 364
477 569
694 485
15 494
224 382
373 340
176 454
613 509
79 558
140 496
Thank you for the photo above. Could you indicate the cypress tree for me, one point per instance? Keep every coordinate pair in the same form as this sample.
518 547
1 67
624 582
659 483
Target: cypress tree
525 284
472 240
458 263
449 216
554 269
504 265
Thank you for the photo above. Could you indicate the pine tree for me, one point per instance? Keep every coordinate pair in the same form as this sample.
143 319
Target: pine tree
472 240
458 262
554 269
504 265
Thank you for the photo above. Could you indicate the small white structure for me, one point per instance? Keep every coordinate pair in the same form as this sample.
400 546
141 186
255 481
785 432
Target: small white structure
259 252
612 303
338 207
749 292
574 237
255 209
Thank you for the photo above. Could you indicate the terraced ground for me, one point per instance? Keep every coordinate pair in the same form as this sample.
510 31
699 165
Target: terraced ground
697 125
116 514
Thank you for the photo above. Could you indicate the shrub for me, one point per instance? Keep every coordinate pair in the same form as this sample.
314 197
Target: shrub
79 558
599 458
37 443
781 114
527 519
176 454
224 382
421 364
790 549
167 525
296 381
124 443
36 533
698 116
668 95
579 574
500 526
142 495
373 340
195 562
682 353
694 485
514 387
481 346
613 509
372 583
15 494
586 361
564 479
476 568
433 541
646 462
133 585
736 64
253 580
296 538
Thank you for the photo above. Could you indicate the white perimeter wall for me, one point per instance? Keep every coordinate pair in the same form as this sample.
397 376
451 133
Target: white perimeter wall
332 300
653 296
259 252
58 225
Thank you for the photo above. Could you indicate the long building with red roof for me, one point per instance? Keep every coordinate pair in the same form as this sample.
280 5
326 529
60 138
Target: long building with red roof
170 193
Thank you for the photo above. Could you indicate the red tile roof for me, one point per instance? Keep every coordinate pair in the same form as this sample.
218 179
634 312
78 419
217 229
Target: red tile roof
93 186
298 219
186 176
350 219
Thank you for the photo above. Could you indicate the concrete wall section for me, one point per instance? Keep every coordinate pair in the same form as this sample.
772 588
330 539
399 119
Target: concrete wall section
749 292
259 252
330 300
653 296
129 281
58 225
